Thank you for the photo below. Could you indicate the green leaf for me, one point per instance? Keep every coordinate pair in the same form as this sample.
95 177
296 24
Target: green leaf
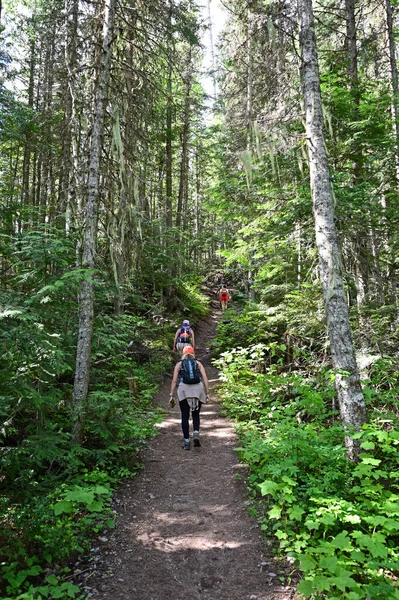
377 550
312 524
95 506
322 584
367 445
58 592
368 460
306 588
71 589
275 512
342 541
63 506
52 579
110 523
35 570
307 562
268 487
101 489
287 479
296 513
344 580
329 563
80 495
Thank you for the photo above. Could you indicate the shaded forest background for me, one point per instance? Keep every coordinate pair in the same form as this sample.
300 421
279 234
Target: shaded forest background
123 186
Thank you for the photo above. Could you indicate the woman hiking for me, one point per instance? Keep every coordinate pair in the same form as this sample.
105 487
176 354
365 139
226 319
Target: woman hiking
192 392
184 337
224 297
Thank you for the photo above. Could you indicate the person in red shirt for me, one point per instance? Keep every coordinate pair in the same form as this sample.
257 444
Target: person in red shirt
224 297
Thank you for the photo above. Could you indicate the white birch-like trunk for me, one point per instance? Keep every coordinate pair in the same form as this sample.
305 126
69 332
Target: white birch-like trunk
298 229
185 135
249 78
212 49
69 169
350 395
394 75
86 292
395 126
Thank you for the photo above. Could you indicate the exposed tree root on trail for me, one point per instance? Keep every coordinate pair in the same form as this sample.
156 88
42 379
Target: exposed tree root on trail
183 530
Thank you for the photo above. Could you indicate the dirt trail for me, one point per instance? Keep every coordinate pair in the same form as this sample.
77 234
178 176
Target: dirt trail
183 530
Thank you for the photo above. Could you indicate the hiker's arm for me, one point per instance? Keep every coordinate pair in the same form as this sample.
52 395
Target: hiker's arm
204 377
174 378
175 340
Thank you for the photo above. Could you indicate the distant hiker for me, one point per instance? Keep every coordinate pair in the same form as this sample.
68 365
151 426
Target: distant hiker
224 297
192 392
184 337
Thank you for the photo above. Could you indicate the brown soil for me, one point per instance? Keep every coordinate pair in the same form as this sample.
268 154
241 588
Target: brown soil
183 530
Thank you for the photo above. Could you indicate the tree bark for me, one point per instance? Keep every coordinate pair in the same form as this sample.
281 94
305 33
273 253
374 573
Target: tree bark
212 49
67 176
362 242
183 184
350 395
169 149
248 111
351 43
45 197
394 73
26 167
391 276
86 292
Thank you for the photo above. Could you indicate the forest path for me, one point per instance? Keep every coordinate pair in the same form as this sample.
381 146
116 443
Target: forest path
183 530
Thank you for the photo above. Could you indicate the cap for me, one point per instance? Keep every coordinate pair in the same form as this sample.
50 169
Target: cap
188 350
186 322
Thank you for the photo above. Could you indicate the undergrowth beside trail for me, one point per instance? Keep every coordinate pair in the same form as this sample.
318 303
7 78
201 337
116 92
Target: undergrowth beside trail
335 521
55 494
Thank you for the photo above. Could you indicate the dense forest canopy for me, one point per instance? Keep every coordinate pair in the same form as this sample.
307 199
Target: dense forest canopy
125 183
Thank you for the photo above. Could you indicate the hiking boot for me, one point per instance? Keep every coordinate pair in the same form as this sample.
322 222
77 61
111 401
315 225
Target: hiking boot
196 439
186 445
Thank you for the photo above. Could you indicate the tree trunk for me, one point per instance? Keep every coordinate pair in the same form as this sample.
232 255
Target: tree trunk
395 125
248 111
212 49
394 75
67 176
86 292
26 167
351 43
361 275
351 401
183 184
45 197
169 175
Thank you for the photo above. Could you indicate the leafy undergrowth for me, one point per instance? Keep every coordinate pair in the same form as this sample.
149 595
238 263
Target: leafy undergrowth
336 521
56 494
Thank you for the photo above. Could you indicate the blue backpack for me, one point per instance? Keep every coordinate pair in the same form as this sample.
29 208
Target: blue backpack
189 371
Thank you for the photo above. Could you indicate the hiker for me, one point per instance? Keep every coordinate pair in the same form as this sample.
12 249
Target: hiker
192 392
184 337
224 297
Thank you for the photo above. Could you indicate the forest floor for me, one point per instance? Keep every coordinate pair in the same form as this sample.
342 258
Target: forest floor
182 526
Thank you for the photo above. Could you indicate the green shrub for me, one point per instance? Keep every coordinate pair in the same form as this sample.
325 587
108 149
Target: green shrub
338 522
